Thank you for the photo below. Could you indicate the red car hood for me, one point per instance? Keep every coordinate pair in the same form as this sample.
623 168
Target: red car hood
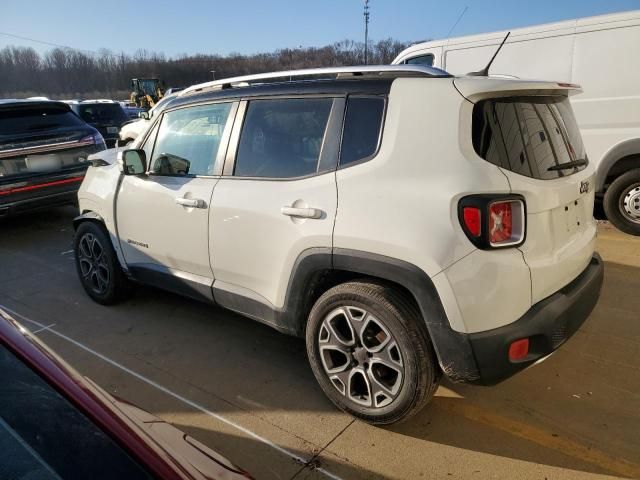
162 448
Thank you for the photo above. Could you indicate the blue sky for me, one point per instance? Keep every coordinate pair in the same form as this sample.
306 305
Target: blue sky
249 26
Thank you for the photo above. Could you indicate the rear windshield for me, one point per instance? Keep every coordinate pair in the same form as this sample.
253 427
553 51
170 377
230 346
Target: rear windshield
530 136
35 118
102 112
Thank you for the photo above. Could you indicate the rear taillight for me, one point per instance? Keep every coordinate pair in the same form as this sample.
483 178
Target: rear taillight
96 139
493 221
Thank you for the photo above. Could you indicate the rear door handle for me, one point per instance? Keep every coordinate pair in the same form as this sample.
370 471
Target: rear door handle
191 202
301 212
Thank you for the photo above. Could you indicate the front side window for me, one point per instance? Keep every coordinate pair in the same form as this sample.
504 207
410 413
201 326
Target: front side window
426 60
188 140
282 138
362 127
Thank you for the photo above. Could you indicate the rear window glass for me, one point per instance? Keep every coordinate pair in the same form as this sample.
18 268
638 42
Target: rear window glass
530 136
362 126
36 118
282 138
102 112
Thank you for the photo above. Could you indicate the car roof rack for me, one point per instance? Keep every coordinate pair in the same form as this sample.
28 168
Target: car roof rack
369 71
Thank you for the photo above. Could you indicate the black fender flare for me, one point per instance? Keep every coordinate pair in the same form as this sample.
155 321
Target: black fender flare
87 216
453 349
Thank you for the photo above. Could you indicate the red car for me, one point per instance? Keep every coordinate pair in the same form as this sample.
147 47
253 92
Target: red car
57 424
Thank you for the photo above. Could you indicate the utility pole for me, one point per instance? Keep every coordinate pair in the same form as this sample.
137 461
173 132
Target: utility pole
366 32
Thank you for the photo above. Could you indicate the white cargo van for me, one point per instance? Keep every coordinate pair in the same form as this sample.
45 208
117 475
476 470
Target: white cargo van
599 53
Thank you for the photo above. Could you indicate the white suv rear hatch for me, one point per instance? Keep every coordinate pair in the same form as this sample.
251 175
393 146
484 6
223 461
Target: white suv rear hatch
528 130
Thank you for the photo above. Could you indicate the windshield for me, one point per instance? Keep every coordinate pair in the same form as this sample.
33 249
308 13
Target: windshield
102 113
35 118
148 86
532 136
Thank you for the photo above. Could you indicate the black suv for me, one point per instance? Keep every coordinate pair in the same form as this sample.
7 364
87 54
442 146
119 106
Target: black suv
43 154
106 116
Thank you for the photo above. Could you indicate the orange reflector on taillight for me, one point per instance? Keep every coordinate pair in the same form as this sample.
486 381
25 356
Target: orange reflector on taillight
519 349
471 216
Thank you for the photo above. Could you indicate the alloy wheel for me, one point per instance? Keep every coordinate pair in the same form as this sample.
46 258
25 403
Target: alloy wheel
361 357
93 263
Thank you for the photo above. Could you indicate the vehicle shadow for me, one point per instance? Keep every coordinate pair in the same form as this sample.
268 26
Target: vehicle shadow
42 220
583 398
578 409
263 462
520 419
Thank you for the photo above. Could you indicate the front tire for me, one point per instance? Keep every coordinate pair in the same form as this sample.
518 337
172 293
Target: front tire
622 202
97 265
369 350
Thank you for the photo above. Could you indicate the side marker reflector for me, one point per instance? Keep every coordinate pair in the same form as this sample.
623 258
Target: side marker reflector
519 349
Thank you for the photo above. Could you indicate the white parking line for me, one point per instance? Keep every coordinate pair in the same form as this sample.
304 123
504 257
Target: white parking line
44 328
172 394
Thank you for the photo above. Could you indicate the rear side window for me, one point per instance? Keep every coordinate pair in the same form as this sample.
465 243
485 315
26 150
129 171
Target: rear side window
421 60
530 136
35 119
362 128
282 138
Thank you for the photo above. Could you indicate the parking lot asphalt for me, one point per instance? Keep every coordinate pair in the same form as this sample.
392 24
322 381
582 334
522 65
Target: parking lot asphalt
248 392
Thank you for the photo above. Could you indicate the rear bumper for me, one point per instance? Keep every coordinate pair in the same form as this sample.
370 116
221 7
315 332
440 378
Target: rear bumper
548 324
40 193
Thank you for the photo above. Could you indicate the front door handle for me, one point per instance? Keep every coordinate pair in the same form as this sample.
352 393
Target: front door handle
191 202
301 212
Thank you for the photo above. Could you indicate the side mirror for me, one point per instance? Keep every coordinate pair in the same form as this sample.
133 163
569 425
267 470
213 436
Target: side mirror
134 162
144 115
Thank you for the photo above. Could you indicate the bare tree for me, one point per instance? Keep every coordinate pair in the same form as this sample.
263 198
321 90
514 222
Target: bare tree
67 73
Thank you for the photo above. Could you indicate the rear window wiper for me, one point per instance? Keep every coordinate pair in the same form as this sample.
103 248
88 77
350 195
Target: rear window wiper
566 166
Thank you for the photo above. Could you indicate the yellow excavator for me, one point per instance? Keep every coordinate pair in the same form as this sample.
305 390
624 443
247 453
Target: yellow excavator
146 92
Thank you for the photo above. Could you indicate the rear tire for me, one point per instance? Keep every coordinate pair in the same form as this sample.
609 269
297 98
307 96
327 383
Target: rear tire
97 265
370 352
622 202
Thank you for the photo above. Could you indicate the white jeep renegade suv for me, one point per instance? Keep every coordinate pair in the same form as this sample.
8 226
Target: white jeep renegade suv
407 223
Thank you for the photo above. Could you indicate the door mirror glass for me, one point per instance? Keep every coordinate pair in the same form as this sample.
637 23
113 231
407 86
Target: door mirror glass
134 162
144 115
